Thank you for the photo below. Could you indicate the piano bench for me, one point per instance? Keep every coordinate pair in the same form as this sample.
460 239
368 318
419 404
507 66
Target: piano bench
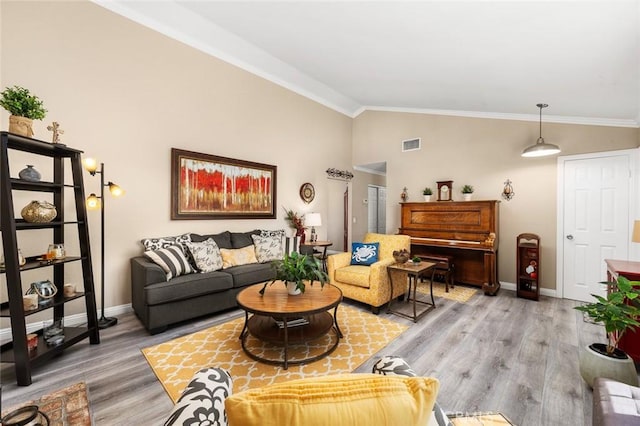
444 266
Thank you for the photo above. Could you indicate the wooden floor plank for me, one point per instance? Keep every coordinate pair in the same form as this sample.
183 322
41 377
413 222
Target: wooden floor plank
498 353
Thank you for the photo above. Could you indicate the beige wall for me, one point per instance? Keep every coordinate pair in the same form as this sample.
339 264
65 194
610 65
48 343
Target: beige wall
126 95
483 153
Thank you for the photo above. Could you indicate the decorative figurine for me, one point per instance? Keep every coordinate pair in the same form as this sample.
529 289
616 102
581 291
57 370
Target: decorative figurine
55 128
404 195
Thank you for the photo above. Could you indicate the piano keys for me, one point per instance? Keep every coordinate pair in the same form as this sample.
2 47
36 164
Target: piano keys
466 230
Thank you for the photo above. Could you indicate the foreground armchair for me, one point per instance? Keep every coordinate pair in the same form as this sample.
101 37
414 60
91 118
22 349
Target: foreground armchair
370 284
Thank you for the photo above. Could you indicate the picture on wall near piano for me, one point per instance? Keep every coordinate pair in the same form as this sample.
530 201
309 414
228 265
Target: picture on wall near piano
444 190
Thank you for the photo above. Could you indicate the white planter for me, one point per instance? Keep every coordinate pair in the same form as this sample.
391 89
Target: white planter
594 364
427 197
466 197
292 289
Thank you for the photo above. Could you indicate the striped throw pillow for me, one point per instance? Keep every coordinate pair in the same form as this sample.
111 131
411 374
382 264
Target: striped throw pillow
172 260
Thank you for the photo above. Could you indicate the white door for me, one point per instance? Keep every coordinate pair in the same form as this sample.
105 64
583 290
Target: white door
595 220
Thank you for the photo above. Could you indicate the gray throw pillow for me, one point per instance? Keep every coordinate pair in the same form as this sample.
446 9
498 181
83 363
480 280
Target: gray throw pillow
206 255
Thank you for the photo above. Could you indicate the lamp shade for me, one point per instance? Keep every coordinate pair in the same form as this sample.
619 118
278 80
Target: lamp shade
313 219
541 148
635 237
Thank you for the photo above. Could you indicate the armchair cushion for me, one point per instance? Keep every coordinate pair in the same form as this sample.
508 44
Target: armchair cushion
347 399
357 275
364 254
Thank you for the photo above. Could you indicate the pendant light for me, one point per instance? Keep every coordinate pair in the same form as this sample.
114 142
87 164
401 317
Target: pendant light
541 148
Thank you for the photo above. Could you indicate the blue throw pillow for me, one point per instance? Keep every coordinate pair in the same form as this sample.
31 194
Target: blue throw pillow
364 253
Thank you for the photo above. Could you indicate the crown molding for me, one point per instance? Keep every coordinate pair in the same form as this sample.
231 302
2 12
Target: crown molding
586 121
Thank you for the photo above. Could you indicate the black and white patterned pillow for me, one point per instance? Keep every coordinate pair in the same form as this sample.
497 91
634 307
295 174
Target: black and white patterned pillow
202 402
172 260
164 242
206 255
267 248
276 233
396 366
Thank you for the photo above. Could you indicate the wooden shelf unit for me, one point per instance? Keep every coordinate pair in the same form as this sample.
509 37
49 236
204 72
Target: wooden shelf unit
528 266
16 350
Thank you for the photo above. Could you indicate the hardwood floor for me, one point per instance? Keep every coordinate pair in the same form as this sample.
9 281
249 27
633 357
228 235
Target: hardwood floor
499 353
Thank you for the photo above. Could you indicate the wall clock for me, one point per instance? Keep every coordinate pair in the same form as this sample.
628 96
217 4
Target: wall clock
307 192
444 190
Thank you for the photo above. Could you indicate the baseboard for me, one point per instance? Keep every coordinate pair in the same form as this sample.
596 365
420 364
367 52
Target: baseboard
70 320
543 291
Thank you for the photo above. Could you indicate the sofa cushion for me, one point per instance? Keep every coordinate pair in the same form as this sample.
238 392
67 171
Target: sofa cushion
348 399
364 254
236 257
172 260
252 273
187 286
223 239
243 239
357 275
206 255
164 242
267 248
203 399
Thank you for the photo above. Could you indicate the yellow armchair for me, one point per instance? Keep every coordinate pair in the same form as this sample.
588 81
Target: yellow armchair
370 284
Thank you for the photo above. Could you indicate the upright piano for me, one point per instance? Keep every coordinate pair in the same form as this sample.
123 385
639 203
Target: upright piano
466 230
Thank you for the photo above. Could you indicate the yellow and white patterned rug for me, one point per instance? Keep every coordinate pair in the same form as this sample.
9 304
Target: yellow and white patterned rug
459 293
176 361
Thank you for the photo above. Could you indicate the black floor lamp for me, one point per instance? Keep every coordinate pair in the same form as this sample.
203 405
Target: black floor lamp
93 202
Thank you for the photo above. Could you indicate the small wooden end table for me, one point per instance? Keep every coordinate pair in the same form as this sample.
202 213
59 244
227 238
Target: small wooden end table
275 311
323 255
414 272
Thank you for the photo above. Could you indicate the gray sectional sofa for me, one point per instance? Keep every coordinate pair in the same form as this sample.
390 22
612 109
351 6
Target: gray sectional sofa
159 302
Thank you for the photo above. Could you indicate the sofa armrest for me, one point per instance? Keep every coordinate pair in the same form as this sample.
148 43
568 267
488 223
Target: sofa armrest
143 273
203 399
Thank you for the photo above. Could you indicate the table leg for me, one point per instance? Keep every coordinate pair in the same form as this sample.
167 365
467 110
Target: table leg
286 343
433 274
244 329
335 320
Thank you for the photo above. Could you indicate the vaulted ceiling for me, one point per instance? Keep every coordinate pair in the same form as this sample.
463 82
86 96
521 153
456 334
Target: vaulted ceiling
477 58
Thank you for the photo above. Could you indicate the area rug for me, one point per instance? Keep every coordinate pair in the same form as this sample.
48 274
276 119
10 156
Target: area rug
65 407
459 293
481 419
175 362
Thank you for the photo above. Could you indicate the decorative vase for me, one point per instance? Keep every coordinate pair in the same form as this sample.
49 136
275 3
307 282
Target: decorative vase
300 233
292 289
39 212
21 125
466 197
44 289
594 364
427 198
30 174
401 256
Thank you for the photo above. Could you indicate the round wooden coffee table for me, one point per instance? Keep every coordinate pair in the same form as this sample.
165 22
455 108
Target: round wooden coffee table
284 320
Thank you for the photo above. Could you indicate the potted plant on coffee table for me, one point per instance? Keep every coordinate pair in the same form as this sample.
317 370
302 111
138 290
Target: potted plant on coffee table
295 269
619 312
23 107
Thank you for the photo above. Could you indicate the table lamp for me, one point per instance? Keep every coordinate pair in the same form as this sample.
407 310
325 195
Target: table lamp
313 220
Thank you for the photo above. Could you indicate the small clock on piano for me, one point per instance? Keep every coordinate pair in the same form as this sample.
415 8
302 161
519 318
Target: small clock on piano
444 190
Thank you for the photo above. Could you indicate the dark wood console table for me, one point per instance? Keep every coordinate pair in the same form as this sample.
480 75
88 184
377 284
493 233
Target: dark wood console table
630 342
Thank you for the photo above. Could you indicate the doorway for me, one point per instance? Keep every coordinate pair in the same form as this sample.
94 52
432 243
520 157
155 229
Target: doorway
376 209
595 206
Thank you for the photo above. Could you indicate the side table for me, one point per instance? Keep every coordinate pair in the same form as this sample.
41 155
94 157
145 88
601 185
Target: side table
321 255
414 271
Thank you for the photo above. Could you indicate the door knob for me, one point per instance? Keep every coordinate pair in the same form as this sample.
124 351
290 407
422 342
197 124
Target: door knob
569 237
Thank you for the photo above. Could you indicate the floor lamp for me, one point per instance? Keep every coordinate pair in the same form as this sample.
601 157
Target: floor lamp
93 202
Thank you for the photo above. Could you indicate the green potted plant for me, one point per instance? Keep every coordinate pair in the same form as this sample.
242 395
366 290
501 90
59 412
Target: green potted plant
467 190
427 192
295 269
23 107
618 312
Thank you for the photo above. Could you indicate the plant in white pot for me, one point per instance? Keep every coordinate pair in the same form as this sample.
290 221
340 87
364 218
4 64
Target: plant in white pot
427 192
619 312
23 107
295 269
467 190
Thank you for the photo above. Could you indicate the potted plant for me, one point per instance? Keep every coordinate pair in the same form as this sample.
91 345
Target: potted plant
467 190
295 269
427 192
296 222
619 312
23 107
